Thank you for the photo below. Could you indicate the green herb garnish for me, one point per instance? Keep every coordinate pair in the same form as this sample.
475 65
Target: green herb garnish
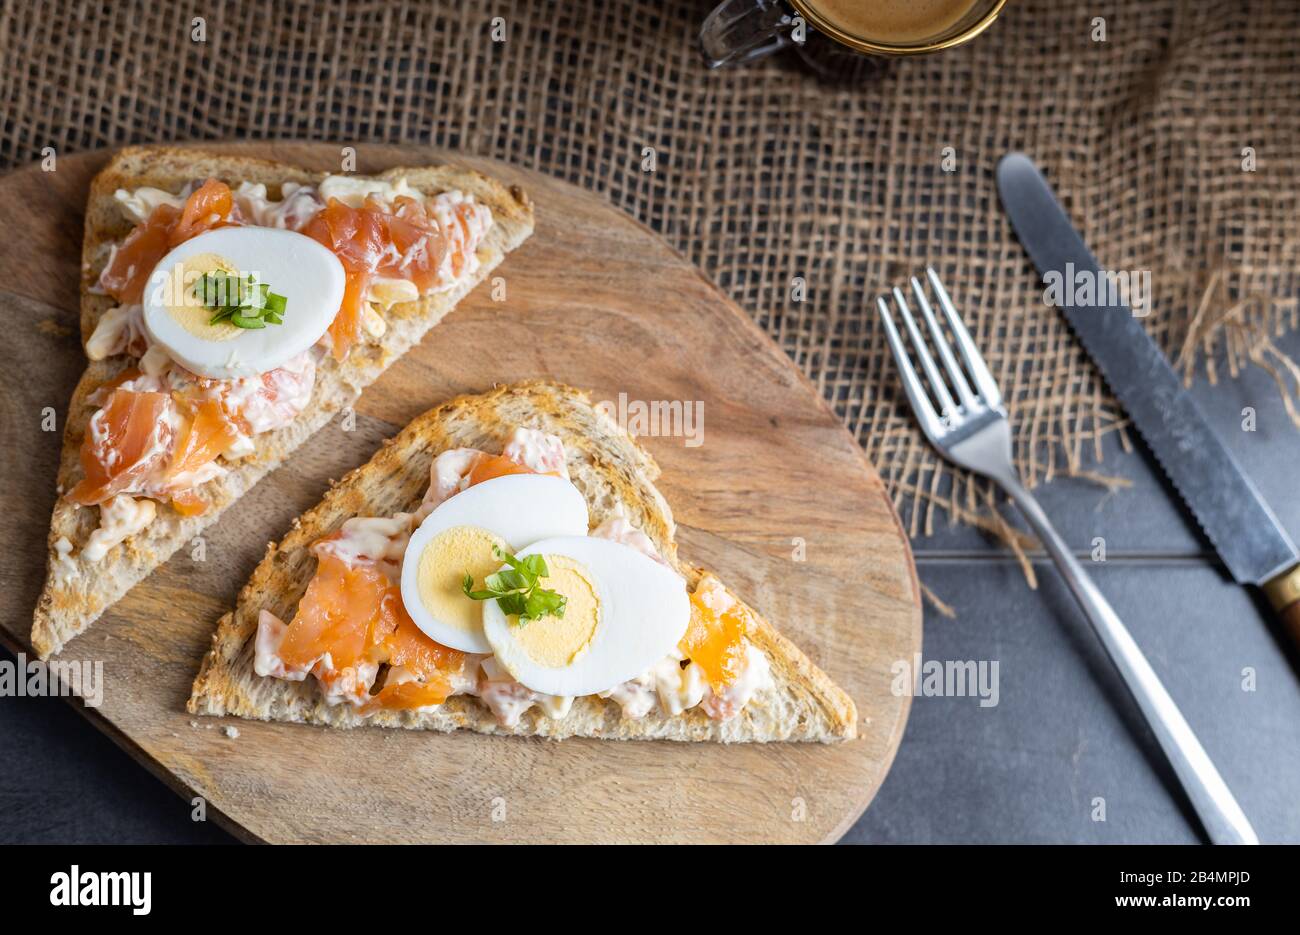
516 588
240 300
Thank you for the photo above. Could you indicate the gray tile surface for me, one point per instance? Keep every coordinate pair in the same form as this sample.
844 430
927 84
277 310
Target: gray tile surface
1064 730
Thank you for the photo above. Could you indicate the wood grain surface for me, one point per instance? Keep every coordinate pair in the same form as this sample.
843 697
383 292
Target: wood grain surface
777 498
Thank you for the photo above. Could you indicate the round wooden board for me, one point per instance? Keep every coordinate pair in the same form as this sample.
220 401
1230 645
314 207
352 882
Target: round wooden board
778 498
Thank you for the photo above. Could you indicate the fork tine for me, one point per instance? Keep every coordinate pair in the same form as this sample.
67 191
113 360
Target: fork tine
955 376
984 382
921 405
946 404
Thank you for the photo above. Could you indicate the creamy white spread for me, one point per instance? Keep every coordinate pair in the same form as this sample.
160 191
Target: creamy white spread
273 399
266 650
538 451
618 528
353 190
156 362
371 539
674 684
464 233
119 517
298 204
120 330
508 700
386 291
65 568
141 202
755 675
449 475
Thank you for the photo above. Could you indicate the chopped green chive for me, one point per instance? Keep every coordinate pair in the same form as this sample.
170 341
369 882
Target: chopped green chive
240 300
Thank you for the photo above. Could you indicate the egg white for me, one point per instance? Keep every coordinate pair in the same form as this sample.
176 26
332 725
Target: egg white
517 508
643 614
306 273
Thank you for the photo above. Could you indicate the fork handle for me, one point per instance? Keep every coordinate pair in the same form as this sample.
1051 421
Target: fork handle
1224 821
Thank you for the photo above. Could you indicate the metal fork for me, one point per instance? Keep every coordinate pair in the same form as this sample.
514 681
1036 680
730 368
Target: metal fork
972 430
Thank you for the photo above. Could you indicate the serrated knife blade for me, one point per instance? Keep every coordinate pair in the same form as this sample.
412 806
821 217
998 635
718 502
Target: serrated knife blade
1227 505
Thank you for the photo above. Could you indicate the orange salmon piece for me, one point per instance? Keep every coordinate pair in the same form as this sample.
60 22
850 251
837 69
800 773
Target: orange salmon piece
370 241
410 695
346 612
419 240
136 258
207 208
356 615
346 326
407 646
356 237
132 441
205 437
715 641
490 466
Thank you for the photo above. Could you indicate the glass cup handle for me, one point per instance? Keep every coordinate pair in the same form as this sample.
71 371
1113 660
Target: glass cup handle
743 30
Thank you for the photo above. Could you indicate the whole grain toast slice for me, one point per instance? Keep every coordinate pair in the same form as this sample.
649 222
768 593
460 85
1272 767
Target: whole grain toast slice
77 591
612 471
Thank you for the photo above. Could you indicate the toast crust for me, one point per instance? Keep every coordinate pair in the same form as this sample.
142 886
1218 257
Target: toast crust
613 472
72 600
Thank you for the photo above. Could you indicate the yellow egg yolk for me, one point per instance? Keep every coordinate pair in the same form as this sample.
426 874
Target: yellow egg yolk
556 642
443 565
185 307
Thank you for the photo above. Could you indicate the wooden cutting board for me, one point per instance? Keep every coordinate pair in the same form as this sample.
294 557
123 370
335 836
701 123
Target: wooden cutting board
778 498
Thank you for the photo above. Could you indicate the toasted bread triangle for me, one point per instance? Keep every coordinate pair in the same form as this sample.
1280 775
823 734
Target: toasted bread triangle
77 591
612 471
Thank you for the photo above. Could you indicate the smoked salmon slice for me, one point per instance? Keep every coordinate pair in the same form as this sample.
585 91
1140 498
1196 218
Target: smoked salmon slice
206 435
126 441
355 615
715 638
356 237
207 208
140 441
410 695
405 243
128 273
490 466
408 647
343 613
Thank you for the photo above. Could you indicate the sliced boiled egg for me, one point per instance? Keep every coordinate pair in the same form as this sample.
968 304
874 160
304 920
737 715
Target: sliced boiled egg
625 612
456 539
308 275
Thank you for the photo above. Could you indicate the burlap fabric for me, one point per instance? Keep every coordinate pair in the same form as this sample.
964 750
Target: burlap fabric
769 173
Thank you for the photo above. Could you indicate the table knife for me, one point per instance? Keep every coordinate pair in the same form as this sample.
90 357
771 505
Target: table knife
1227 505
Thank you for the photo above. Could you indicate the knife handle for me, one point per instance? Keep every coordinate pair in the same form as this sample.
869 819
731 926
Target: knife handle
1283 592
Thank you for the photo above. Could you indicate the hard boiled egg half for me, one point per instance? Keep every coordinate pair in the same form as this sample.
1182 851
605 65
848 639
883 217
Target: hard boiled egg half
625 612
456 539
308 275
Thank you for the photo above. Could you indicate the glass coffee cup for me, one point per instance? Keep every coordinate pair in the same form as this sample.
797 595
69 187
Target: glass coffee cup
743 30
